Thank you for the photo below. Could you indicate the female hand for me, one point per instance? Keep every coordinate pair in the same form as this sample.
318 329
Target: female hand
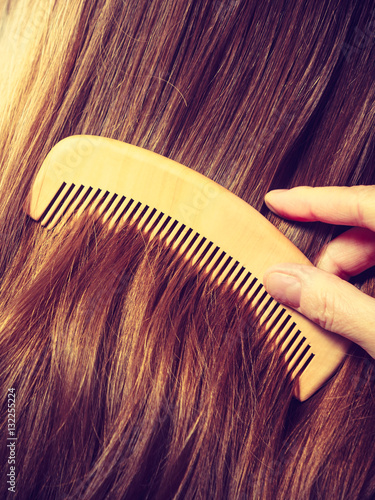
321 293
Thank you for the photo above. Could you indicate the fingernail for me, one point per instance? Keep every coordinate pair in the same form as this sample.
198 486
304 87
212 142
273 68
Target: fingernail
271 198
284 288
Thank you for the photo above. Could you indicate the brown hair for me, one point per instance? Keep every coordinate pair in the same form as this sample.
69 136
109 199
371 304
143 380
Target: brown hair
133 376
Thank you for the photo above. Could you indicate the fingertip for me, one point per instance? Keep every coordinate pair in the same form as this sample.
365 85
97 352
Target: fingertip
283 287
292 204
272 197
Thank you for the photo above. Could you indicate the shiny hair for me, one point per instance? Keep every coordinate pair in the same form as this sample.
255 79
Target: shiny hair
134 377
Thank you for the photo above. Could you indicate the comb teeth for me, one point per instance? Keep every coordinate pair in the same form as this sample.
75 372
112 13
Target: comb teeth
173 204
221 268
68 199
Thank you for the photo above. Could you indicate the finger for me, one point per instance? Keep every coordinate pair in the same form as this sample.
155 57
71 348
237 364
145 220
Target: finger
354 206
327 300
349 254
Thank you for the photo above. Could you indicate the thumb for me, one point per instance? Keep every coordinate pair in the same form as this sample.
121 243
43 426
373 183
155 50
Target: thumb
327 300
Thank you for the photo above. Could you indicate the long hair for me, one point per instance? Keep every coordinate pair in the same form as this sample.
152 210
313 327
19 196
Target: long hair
132 375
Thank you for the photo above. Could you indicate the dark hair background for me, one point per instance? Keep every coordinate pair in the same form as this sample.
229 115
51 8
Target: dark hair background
134 378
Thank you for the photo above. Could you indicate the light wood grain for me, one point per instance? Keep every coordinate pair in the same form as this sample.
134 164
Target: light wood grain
198 203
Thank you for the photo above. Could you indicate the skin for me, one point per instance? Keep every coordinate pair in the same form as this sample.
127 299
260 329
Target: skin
322 293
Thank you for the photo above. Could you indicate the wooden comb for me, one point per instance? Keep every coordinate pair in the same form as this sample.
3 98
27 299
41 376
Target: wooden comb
227 237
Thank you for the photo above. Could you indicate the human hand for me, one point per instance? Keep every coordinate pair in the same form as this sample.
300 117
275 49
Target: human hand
321 293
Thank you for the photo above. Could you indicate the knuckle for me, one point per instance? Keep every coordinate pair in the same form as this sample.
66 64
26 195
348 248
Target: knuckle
364 205
326 259
333 263
324 311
